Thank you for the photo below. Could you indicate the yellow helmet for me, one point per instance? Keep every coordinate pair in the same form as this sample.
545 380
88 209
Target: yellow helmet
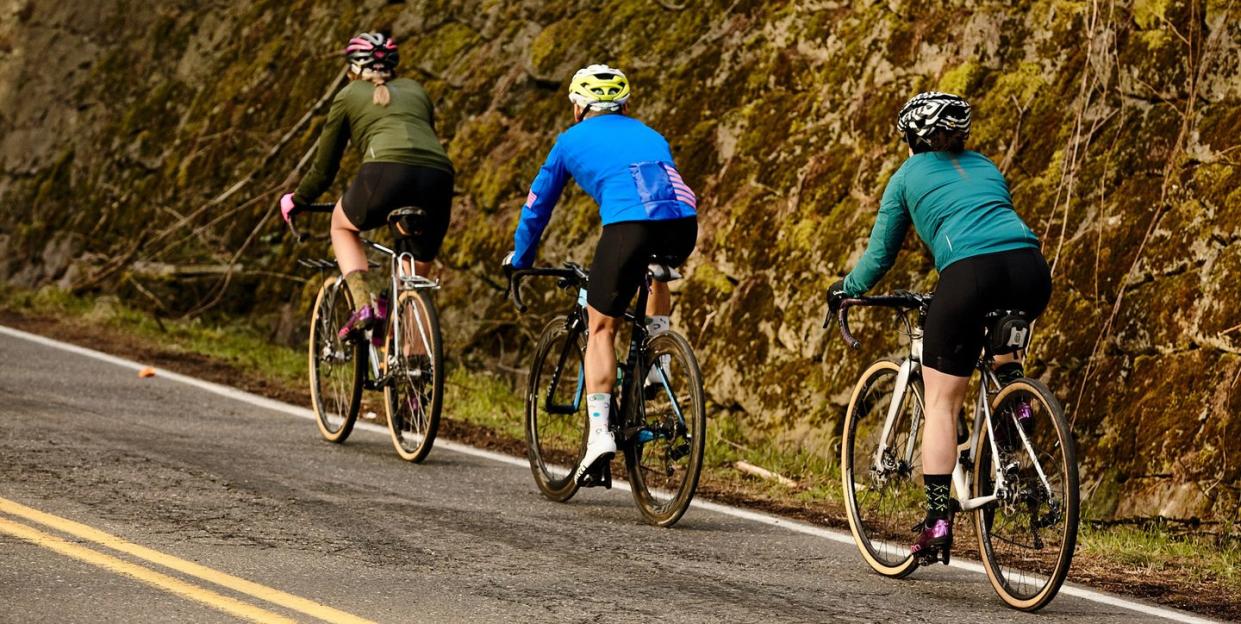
599 87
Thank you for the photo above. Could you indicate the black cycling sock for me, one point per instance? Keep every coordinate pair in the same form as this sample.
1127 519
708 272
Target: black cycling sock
1009 371
938 496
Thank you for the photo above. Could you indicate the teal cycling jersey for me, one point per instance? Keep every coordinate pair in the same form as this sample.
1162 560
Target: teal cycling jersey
958 203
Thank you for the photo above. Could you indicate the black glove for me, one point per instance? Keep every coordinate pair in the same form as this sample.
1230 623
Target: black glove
507 263
836 294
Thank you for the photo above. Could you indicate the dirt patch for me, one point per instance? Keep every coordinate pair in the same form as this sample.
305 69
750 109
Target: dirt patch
1168 587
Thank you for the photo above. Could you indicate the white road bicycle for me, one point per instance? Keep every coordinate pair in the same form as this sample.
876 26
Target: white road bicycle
409 369
1016 471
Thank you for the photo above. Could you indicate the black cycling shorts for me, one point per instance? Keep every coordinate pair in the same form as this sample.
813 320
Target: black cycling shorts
625 250
382 187
968 291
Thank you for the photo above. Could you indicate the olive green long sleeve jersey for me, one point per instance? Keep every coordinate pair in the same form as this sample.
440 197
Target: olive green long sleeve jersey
402 132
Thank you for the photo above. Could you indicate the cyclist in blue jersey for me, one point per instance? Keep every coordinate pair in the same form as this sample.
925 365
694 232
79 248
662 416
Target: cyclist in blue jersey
987 258
646 209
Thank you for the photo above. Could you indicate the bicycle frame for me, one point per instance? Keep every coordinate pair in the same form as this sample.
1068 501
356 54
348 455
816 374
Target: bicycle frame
402 277
631 408
911 368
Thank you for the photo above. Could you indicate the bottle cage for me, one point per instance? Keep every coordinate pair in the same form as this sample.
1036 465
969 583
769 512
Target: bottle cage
1007 331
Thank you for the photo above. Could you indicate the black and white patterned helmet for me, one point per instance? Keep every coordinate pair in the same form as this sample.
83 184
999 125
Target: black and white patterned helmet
933 110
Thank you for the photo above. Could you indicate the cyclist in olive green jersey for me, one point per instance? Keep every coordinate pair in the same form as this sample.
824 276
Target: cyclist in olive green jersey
392 121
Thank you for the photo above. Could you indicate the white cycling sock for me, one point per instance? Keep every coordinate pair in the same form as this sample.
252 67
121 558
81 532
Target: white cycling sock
656 325
652 376
598 405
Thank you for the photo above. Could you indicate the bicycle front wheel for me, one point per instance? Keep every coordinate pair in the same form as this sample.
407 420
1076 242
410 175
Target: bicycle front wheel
556 409
664 461
1027 537
337 367
414 393
882 473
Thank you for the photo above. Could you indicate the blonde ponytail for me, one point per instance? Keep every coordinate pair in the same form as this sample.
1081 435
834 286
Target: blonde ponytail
383 96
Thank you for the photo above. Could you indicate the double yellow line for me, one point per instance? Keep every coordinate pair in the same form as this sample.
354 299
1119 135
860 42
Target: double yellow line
163 581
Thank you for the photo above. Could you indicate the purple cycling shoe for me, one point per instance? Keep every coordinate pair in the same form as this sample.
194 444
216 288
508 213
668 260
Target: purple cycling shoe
934 541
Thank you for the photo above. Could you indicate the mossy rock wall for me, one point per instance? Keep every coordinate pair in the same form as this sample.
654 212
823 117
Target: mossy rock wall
1116 123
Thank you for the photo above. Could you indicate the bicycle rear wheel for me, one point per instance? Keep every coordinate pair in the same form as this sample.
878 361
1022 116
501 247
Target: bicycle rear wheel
665 460
881 476
414 394
556 409
337 367
1027 538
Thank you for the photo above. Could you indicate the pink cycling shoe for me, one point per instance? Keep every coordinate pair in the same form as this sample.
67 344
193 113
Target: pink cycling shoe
934 541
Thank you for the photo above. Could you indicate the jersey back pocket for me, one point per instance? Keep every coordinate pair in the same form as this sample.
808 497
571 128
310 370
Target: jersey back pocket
651 180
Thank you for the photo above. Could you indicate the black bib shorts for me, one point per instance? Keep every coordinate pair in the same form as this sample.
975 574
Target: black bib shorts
625 250
968 291
382 187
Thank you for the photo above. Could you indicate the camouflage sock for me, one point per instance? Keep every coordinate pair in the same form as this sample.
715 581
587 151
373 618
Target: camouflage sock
356 283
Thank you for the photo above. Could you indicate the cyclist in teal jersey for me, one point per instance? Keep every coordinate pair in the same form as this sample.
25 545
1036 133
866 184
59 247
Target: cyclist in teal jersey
987 258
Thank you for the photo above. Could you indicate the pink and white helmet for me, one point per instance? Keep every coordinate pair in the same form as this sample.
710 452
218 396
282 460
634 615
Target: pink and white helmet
372 51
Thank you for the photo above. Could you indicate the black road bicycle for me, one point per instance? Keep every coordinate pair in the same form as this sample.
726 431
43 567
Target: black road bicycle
409 369
1017 471
661 422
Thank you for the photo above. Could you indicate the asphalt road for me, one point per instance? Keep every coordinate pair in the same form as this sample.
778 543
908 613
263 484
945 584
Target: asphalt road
253 493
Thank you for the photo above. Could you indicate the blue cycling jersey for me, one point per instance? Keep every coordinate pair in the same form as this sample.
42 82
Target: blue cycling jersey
625 166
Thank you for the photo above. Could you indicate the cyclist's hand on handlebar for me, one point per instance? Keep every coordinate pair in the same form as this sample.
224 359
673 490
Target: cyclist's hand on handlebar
835 294
287 205
507 264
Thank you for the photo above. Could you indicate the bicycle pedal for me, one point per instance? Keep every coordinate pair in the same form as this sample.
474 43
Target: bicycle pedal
598 474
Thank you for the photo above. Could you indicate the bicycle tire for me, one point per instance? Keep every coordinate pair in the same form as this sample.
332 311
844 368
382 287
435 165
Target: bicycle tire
689 443
413 444
872 532
328 355
555 442
998 552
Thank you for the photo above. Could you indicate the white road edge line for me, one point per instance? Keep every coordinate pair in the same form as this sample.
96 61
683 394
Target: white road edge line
736 512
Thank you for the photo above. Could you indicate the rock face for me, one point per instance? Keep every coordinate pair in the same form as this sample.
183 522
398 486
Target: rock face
139 132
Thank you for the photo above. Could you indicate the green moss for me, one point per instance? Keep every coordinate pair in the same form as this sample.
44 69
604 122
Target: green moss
961 79
1150 13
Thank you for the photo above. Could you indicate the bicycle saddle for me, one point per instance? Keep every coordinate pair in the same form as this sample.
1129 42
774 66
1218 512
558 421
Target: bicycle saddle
407 220
661 269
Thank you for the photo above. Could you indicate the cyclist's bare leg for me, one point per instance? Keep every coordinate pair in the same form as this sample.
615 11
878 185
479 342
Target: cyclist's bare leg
350 256
346 244
944 395
600 352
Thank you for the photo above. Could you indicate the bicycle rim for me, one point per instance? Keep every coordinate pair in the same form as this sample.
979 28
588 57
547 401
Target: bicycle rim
664 470
883 491
556 410
1027 539
337 368
414 393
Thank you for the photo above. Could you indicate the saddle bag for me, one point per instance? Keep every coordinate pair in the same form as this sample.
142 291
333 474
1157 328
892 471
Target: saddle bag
1008 331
